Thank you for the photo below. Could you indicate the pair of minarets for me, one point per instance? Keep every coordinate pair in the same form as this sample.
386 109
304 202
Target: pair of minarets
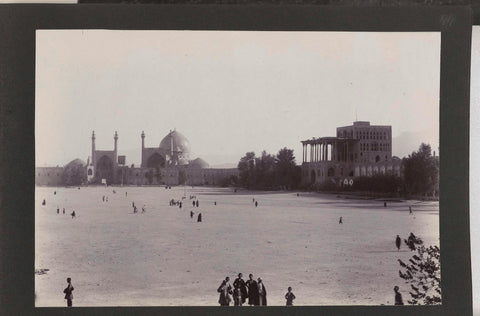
115 138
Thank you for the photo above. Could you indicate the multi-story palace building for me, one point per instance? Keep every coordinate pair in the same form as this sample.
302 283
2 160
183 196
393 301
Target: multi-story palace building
358 150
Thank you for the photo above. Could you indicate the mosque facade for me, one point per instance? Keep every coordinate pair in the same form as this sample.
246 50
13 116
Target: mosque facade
168 164
357 150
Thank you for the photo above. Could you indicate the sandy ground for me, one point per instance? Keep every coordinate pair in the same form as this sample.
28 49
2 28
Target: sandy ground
164 258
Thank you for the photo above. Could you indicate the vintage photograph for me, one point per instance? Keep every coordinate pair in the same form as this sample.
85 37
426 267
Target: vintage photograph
236 168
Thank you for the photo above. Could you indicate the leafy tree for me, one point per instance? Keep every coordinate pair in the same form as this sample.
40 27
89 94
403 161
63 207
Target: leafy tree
264 173
422 273
246 167
421 171
288 174
268 171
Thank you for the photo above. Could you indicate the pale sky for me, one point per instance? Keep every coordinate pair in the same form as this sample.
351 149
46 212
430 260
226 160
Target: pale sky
229 92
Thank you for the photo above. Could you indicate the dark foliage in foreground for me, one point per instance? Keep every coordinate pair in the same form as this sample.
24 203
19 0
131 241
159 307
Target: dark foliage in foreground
422 273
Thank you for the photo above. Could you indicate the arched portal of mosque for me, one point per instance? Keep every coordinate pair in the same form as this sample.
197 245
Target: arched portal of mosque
156 161
104 169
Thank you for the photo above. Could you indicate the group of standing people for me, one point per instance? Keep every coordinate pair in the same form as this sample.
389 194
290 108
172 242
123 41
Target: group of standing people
255 291
411 242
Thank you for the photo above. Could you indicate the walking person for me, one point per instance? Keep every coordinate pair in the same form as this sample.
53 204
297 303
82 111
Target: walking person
289 296
239 283
225 289
199 218
63 210
398 296
193 203
410 210
58 210
398 242
262 293
340 221
191 214
196 203
73 214
252 287
68 292
256 203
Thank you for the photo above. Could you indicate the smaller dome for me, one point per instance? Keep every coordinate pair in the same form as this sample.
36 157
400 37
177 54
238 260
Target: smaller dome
74 163
199 163
74 172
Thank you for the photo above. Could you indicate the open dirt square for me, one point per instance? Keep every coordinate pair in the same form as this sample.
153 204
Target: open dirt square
165 258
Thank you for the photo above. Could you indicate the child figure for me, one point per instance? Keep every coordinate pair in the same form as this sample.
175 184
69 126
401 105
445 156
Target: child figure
237 296
289 296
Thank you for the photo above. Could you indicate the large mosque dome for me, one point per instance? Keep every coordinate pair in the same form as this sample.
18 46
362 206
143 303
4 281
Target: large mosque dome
178 144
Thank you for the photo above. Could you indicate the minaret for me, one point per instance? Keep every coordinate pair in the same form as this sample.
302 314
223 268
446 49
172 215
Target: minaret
171 146
115 137
93 148
143 147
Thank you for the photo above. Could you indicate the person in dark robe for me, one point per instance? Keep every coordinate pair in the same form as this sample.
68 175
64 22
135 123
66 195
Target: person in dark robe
262 293
58 210
252 288
180 205
239 283
199 218
73 214
340 221
193 203
196 203
44 202
289 296
256 203
398 242
398 296
103 198
191 214
215 203
63 210
410 210
68 292
225 289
